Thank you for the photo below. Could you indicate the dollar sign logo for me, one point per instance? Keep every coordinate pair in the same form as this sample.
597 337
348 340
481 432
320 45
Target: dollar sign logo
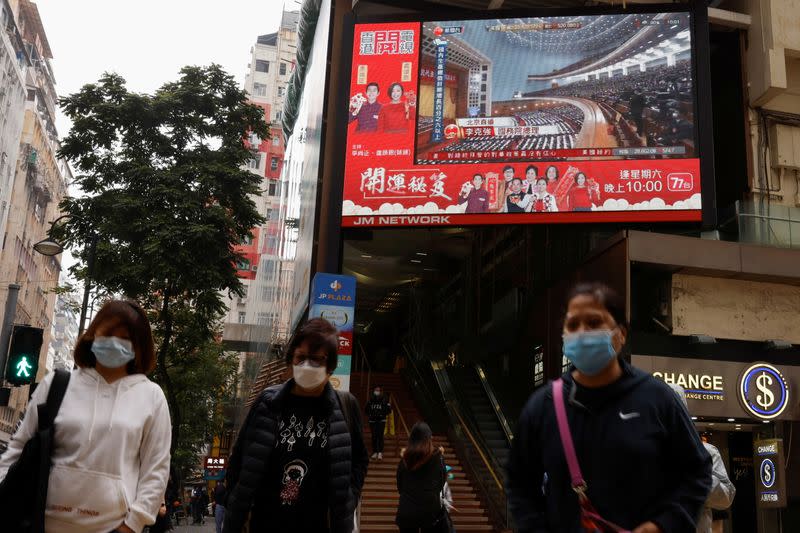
763 382
767 474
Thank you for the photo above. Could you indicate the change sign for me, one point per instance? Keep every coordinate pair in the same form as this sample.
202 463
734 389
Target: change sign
770 473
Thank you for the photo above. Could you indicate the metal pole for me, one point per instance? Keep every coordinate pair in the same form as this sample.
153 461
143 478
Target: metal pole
87 285
8 323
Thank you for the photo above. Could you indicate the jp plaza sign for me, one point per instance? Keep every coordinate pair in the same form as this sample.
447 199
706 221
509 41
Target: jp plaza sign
726 389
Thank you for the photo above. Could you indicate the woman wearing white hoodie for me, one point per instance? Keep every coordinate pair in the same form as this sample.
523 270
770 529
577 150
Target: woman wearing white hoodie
112 434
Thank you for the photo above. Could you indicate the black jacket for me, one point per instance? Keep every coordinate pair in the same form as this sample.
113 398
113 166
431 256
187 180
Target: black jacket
377 409
420 492
637 448
251 454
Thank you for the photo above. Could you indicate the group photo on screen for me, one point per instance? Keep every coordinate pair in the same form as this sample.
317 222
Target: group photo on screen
559 88
530 189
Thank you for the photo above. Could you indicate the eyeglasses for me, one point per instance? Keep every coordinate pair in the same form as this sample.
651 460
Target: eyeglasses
314 361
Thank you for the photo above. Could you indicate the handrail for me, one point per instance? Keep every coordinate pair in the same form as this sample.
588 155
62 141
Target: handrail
364 361
400 413
495 404
480 451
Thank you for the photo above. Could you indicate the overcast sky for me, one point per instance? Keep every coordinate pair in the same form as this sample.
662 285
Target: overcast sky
148 41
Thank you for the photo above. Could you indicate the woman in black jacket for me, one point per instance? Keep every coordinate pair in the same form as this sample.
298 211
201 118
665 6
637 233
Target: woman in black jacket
421 476
641 458
299 462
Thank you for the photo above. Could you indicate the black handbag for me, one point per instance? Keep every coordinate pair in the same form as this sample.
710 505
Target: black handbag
23 492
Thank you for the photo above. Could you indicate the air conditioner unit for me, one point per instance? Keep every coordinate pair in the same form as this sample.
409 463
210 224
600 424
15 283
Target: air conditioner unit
241 301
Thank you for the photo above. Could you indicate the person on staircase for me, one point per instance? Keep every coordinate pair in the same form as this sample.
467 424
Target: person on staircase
377 409
299 461
421 478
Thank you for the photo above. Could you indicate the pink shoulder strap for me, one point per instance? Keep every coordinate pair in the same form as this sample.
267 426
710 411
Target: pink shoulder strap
578 483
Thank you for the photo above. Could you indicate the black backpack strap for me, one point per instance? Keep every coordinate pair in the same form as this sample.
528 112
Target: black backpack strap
49 410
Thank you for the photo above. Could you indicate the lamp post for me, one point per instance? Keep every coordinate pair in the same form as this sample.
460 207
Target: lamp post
50 247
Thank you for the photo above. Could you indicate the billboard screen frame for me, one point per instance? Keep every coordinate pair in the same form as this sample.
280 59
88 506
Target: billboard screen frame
701 91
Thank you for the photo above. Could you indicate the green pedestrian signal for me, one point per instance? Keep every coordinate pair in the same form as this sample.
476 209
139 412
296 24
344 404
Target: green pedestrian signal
23 355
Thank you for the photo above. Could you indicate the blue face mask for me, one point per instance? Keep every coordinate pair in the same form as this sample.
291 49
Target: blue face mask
112 352
590 351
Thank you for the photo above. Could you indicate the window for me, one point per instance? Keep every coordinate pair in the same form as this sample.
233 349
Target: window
254 139
242 317
276 140
283 69
281 90
269 213
259 89
278 115
247 241
243 264
274 164
262 66
267 293
254 163
273 188
269 269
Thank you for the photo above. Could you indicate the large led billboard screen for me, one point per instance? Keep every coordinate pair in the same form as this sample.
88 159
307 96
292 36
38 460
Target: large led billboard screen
587 118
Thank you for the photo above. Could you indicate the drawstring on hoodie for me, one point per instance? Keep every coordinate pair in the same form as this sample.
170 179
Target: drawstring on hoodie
113 406
117 386
94 408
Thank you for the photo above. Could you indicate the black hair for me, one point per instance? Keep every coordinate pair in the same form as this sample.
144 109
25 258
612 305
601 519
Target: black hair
420 446
391 88
478 175
546 172
508 167
320 334
517 179
541 179
578 175
605 296
373 84
532 167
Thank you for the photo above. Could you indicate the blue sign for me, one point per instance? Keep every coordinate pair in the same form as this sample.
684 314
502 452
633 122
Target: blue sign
763 391
213 475
767 473
333 297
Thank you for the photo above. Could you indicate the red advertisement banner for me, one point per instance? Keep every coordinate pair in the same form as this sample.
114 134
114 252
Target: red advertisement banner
383 186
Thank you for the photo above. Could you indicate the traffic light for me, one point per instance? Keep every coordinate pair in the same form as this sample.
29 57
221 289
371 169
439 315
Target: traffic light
23 356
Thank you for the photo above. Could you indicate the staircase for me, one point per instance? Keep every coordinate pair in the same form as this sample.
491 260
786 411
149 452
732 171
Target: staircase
380 498
477 402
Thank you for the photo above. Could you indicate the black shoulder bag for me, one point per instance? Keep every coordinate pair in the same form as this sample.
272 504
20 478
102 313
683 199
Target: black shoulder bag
23 492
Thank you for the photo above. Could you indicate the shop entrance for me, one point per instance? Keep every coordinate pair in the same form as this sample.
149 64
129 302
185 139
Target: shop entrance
735 444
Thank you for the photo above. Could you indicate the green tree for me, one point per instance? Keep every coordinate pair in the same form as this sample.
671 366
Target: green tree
165 199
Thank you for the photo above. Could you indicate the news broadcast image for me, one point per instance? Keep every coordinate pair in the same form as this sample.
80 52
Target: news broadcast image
525 120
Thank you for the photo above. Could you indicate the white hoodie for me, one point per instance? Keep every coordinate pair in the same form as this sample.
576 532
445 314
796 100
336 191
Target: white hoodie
110 456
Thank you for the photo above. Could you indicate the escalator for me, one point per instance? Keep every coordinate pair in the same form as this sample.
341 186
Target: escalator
478 400
443 407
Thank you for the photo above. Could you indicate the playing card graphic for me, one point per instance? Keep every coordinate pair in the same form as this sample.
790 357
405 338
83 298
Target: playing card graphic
293 475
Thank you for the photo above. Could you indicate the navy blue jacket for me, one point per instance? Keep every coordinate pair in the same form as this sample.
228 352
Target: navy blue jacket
637 448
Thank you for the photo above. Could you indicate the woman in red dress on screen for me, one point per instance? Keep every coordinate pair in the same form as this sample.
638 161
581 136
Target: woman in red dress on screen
552 178
395 116
582 195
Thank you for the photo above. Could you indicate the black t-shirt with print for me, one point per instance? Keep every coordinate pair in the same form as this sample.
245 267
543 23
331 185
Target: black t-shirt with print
296 486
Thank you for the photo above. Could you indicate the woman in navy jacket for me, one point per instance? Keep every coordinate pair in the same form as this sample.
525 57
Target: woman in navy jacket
640 455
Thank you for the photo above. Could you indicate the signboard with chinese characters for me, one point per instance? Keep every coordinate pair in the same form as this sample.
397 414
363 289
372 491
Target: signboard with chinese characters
727 389
333 297
478 122
770 473
216 463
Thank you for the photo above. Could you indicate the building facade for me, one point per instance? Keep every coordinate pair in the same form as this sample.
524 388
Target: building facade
39 184
255 326
704 301
13 63
63 332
